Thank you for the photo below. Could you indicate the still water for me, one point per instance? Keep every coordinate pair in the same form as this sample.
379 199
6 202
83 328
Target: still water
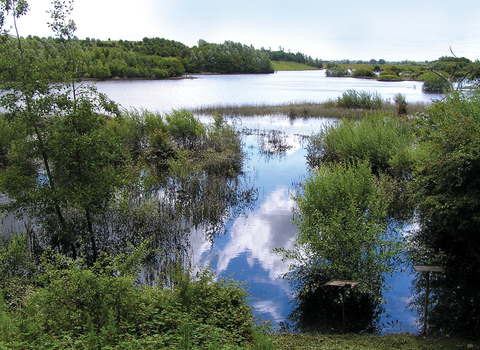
271 89
245 252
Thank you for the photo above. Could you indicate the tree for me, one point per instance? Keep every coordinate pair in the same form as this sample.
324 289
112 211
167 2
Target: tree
344 232
450 81
68 163
447 190
435 83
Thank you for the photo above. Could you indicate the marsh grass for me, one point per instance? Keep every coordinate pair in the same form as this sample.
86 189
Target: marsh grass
328 109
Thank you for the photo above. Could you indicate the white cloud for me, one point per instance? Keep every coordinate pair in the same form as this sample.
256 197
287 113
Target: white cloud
268 228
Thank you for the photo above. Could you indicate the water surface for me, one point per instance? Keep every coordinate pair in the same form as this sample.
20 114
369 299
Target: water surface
270 89
245 252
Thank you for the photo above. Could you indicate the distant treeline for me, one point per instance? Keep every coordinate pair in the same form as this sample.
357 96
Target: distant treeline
436 75
158 58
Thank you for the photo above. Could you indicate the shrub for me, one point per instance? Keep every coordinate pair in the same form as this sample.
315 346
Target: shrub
341 214
388 75
377 138
364 73
336 71
76 306
433 83
363 99
184 128
401 102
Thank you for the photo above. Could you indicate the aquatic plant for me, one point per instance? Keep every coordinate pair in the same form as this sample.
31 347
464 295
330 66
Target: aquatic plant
360 99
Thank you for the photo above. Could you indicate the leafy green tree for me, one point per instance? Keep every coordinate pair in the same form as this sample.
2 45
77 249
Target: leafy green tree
67 165
344 232
26 97
434 83
447 189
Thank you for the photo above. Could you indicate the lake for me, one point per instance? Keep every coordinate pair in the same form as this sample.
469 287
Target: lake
245 252
271 89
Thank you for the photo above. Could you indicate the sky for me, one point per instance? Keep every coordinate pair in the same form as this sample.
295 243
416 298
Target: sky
416 30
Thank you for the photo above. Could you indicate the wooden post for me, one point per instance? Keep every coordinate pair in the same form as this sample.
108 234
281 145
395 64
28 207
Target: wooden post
427 269
426 304
343 285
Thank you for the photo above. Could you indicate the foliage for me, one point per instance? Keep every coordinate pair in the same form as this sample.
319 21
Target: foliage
382 140
334 70
364 73
359 99
389 75
151 58
229 57
184 128
344 233
95 180
446 189
401 102
433 83
67 159
101 306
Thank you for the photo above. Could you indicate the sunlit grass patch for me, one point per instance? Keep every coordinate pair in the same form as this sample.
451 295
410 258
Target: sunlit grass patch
283 66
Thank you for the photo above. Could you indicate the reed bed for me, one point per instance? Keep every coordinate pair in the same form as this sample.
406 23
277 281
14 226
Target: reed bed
329 109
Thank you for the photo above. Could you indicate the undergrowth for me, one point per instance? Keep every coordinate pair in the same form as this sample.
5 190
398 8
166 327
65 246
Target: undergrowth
75 306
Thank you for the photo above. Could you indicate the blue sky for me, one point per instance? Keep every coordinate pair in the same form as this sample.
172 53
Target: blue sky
393 30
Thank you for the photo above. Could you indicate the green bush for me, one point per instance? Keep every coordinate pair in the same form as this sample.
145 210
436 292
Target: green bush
382 140
365 100
336 71
185 129
341 213
364 73
388 75
433 83
401 102
446 188
102 306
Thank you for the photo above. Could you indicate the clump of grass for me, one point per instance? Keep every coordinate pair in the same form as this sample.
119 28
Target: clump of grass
380 139
353 99
401 102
